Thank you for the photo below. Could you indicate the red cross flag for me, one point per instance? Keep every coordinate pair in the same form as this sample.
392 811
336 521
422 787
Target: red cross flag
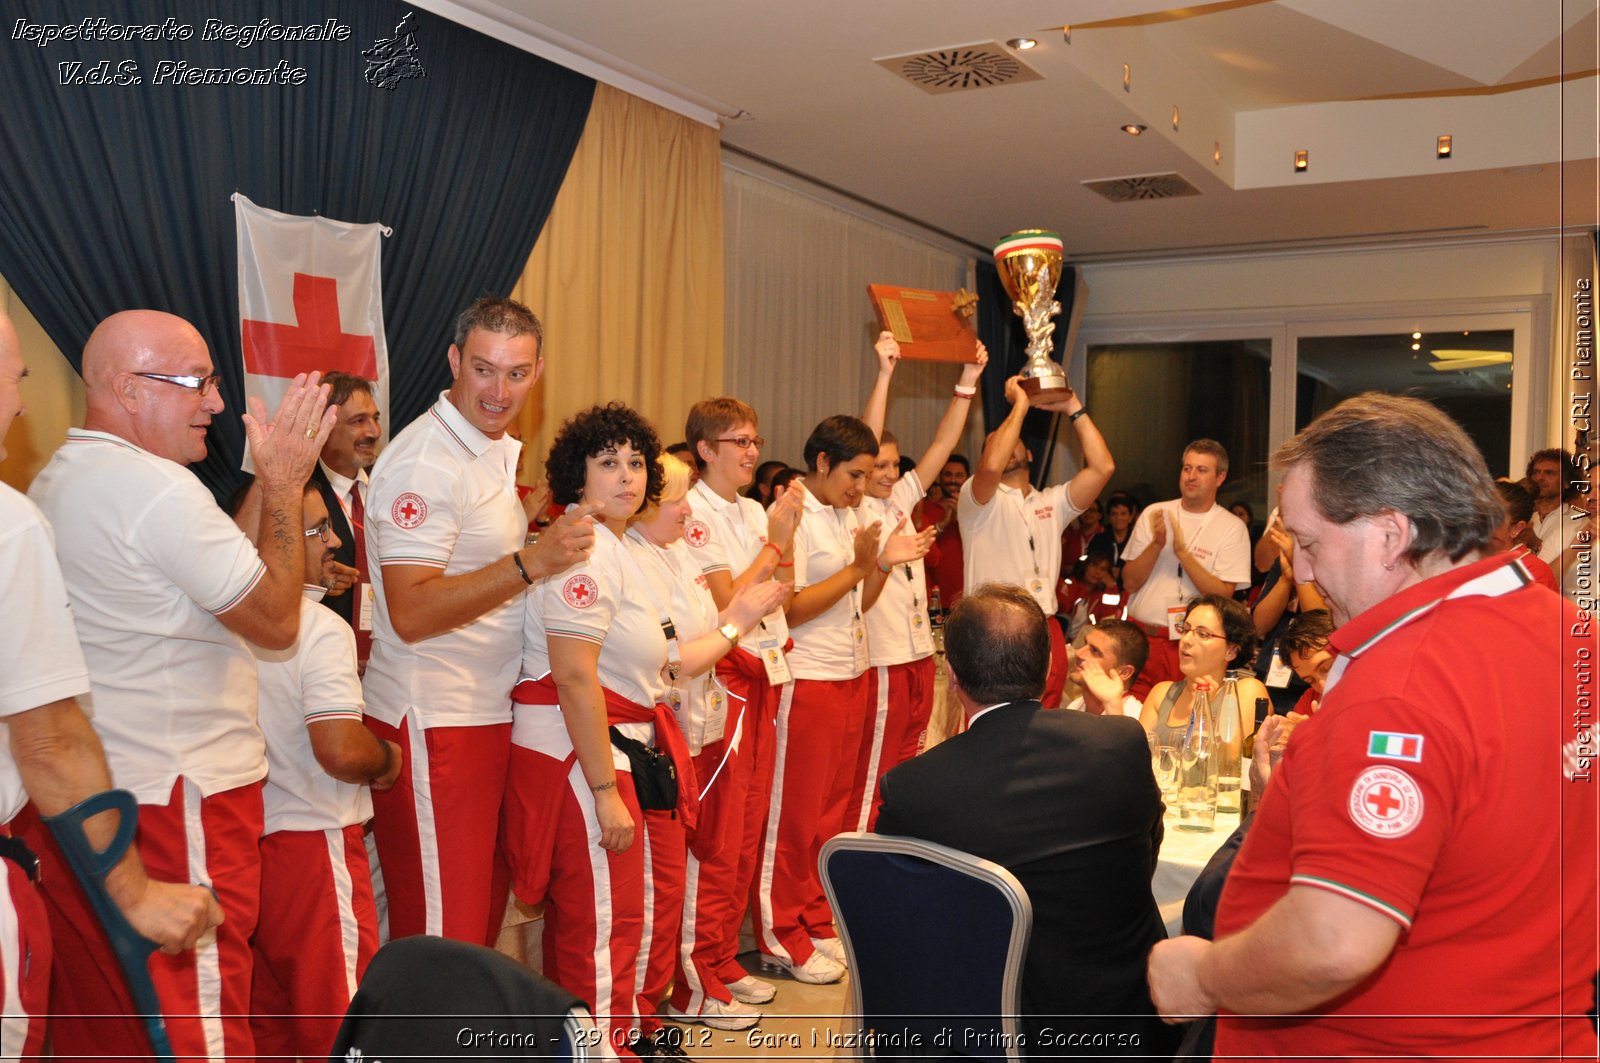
310 298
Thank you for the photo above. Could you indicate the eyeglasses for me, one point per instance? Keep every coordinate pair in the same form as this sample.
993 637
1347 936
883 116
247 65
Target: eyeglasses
202 384
1198 632
744 442
323 527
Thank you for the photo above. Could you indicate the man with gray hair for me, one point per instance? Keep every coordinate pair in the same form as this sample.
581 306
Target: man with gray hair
1066 802
1420 879
445 549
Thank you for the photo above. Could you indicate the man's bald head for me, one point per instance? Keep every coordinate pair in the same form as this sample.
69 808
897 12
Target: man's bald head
167 418
11 373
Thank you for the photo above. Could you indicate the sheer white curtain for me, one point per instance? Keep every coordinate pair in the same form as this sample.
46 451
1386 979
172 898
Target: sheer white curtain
800 325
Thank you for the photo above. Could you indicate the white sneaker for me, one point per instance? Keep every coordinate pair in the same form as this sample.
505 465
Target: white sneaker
817 970
719 1014
752 990
832 948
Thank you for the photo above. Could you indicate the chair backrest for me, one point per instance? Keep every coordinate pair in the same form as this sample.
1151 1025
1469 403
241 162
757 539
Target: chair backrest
425 998
936 939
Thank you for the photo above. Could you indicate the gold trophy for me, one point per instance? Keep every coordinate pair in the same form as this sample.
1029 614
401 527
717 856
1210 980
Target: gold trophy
1030 268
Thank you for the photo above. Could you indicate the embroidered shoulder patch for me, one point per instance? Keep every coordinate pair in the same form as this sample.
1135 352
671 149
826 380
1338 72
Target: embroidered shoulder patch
1391 745
1386 802
580 591
409 510
696 534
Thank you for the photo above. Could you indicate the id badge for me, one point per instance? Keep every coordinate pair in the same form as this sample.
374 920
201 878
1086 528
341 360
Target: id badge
921 637
858 643
1036 585
772 659
715 699
1174 618
364 617
1278 673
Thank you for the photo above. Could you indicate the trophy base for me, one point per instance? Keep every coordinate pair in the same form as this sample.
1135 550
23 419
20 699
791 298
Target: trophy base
1045 389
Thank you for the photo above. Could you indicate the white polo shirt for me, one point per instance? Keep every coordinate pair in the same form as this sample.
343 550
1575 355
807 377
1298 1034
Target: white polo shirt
832 644
40 661
1015 538
149 563
443 494
605 599
725 536
1556 530
311 681
897 623
700 702
1218 539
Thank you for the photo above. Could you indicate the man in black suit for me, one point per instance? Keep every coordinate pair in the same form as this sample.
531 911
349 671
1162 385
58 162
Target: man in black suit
1067 803
341 479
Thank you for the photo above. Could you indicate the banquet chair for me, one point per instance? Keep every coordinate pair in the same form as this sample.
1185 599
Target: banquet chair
935 939
431 998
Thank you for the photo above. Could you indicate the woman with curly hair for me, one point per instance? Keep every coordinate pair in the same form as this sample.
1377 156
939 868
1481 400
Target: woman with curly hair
1218 636
594 648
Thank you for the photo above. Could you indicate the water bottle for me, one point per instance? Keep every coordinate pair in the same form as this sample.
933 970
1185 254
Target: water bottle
936 620
1197 770
1229 749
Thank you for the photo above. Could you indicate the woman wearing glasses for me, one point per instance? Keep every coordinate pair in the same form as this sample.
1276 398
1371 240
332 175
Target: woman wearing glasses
1217 634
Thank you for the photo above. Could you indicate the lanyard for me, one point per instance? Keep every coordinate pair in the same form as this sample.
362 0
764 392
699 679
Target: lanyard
847 543
1021 509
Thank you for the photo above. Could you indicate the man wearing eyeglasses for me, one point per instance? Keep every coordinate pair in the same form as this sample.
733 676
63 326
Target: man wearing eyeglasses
51 755
319 923
165 590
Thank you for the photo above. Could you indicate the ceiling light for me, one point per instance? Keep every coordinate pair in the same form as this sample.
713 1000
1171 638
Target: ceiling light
1416 346
1022 44
1452 361
1416 335
1302 161
1174 118
1133 129
1442 147
1127 78
1216 152
1066 34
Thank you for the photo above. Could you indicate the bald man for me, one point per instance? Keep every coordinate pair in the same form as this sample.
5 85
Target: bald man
51 756
165 588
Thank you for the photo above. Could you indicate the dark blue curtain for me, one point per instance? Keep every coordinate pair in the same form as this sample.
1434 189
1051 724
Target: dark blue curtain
1001 331
115 196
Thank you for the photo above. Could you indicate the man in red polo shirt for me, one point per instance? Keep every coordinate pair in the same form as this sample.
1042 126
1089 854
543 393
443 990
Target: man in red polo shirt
1420 880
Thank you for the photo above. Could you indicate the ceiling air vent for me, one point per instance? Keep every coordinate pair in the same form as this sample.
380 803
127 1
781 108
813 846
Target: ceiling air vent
963 67
1143 186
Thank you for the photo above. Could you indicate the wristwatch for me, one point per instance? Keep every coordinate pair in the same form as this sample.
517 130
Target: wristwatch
731 633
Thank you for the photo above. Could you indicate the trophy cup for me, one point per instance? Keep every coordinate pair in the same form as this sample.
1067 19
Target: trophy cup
1030 268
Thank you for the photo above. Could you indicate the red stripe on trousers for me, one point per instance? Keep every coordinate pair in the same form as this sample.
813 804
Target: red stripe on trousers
87 981
29 953
663 913
301 988
466 781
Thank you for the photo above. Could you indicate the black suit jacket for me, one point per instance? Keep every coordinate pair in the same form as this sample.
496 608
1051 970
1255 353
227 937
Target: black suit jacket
1067 803
343 604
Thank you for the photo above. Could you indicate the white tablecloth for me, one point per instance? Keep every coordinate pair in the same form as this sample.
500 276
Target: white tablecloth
1183 854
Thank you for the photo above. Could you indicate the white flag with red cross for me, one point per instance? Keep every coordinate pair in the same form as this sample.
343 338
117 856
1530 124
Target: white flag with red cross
310 298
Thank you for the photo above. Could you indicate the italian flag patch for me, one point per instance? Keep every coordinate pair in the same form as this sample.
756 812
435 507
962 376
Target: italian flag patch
1390 745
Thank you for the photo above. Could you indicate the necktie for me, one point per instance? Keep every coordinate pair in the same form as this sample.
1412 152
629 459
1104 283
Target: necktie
358 531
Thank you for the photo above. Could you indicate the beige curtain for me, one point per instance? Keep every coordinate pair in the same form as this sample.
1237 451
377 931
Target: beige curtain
800 325
52 392
627 274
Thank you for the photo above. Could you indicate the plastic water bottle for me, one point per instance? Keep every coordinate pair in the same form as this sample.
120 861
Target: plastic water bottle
1230 749
1197 771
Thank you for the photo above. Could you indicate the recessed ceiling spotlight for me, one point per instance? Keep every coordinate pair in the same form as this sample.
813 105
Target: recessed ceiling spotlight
1416 346
1442 147
1174 118
1022 44
1066 34
1416 335
1216 152
1133 129
1127 78
1302 161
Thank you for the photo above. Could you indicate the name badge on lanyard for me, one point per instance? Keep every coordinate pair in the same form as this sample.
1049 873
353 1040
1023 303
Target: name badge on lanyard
773 660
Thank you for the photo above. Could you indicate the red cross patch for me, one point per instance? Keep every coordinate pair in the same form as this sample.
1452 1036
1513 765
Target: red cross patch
409 510
580 591
1386 802
695 533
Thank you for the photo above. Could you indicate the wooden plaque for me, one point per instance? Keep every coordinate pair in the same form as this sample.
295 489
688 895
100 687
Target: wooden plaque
926 324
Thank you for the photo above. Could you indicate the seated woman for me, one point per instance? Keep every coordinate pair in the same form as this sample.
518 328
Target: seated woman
1218 635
